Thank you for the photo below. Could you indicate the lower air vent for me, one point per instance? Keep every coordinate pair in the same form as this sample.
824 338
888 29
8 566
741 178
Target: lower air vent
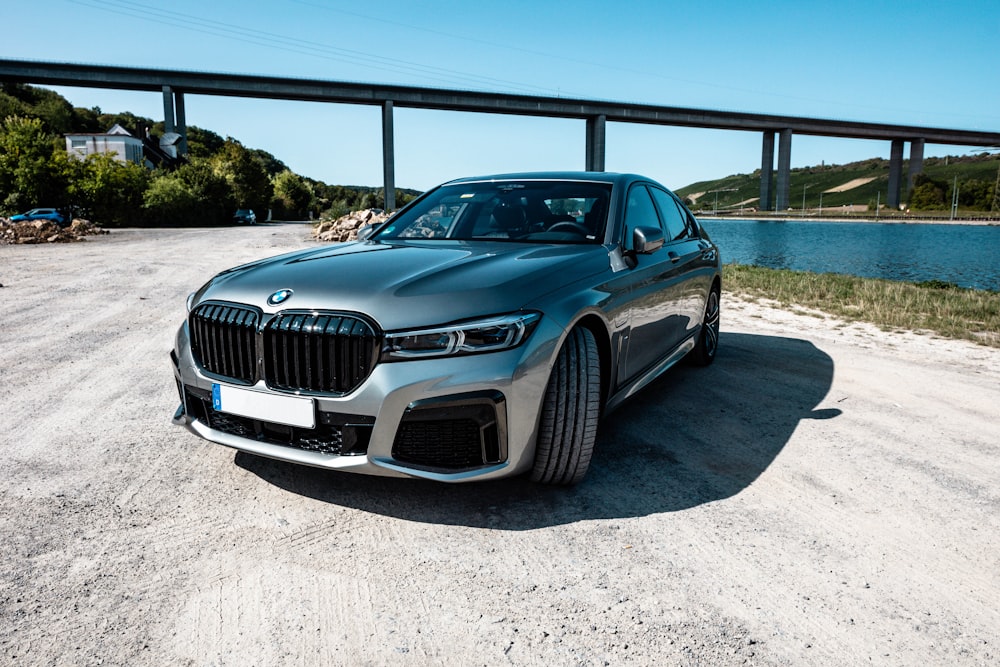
340 434
453 433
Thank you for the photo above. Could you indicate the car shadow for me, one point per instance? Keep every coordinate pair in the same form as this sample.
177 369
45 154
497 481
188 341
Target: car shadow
694 436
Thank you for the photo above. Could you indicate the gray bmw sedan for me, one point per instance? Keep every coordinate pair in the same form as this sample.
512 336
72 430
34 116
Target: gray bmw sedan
480 332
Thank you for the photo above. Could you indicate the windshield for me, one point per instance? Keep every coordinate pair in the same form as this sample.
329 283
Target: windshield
523 211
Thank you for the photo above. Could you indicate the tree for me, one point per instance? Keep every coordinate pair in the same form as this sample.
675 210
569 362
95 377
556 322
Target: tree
975 194
292 196
927 194
246 176
11 105
110 192
32 172
272 165
170 202
203 143
87 120
55 112
193 195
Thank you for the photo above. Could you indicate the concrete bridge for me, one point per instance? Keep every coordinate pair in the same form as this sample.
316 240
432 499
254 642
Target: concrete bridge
774 187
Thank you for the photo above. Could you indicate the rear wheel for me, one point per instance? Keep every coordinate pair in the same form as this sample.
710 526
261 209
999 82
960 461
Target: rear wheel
570 412
708 340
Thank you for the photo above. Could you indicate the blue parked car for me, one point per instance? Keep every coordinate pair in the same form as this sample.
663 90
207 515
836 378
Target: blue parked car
41 214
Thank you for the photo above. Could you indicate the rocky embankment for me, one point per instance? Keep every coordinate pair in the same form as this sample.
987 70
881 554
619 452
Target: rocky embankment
46 231
345 228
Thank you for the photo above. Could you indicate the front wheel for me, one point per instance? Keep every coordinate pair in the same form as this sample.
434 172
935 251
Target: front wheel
708 340
570 412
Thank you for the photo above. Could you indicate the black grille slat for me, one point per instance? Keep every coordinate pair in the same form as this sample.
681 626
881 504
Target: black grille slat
344 342
310 351
330 338
300 350
228 362
212 331
286 367
244 351
319 328
232 347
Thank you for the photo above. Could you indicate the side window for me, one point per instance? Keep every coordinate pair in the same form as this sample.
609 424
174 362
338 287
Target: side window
639 212
674 219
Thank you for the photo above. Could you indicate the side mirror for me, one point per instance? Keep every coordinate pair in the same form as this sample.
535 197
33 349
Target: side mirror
647 240
366 231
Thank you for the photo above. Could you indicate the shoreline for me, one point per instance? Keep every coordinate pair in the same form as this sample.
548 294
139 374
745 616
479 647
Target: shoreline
895 220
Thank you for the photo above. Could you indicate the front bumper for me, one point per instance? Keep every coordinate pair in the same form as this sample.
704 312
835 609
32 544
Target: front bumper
408 419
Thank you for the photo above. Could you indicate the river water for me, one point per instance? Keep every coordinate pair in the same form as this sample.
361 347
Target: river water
967 255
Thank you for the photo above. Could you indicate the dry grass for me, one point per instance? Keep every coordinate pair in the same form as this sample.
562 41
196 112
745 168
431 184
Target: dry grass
938 308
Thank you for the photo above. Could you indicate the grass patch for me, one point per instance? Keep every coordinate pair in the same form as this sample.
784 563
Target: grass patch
935 307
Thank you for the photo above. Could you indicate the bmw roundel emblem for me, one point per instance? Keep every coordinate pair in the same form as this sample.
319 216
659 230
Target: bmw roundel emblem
279 297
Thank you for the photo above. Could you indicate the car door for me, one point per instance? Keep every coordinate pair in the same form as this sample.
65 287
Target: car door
657 314
686 251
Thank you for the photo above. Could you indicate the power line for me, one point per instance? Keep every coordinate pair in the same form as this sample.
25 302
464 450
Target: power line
228 30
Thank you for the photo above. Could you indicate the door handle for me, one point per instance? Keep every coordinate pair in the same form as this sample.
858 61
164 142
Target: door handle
674 257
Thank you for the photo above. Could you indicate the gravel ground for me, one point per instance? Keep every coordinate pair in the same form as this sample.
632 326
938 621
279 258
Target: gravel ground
824 494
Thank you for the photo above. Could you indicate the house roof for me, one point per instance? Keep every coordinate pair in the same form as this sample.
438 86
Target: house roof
115 131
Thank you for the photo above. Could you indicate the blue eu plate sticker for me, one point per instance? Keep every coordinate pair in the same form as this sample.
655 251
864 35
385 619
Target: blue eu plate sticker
216 397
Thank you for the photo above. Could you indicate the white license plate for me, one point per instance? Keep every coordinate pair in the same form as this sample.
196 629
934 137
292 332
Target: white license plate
289 410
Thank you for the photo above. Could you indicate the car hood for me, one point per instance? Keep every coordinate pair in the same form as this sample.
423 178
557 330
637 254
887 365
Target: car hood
405 284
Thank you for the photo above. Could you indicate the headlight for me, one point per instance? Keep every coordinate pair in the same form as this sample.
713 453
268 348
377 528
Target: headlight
487 335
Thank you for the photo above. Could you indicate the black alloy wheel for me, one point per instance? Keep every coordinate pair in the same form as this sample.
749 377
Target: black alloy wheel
707 346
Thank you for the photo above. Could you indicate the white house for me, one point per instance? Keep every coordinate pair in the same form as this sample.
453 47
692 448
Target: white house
116 142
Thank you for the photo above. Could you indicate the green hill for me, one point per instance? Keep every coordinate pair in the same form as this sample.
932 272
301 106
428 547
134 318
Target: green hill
862 184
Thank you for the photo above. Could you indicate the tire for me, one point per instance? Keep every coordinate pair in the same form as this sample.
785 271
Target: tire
707 346
570 412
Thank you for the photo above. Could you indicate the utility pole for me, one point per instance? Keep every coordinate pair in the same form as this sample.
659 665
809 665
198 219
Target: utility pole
716 207
996 193
954 198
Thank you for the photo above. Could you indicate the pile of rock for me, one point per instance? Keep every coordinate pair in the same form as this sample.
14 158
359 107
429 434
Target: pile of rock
46 231
345 228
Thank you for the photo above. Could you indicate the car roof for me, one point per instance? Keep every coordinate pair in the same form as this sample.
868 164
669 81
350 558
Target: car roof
591 176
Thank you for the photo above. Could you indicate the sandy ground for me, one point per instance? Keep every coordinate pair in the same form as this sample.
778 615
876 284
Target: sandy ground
824 494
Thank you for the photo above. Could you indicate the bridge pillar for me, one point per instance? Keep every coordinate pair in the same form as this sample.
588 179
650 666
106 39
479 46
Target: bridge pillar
595 143
784 169
388 157
181 123
767 173
895 173
916 163
168 109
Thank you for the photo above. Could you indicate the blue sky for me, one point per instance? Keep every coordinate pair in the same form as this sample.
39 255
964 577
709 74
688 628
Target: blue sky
917 63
